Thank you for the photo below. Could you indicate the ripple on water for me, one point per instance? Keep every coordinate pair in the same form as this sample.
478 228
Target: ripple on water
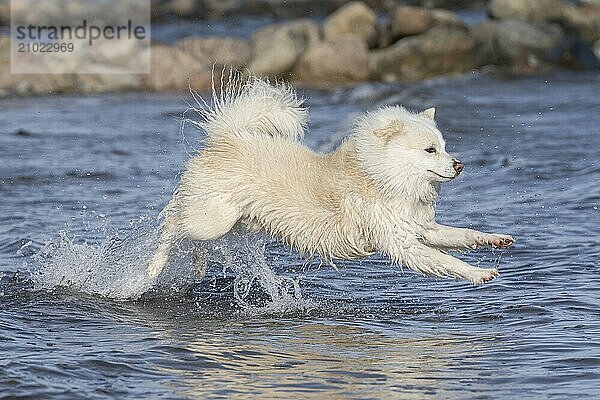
78 322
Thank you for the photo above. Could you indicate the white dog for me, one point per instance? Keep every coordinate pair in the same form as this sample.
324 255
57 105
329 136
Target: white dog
376 193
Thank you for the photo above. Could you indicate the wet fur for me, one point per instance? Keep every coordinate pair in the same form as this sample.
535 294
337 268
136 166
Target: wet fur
375 193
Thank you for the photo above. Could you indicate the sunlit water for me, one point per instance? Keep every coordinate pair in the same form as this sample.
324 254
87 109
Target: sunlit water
82 180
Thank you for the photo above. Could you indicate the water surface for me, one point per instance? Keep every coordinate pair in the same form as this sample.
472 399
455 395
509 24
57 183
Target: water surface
90 174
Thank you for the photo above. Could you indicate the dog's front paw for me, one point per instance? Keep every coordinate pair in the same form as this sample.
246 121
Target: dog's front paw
501 241
483 275
493 240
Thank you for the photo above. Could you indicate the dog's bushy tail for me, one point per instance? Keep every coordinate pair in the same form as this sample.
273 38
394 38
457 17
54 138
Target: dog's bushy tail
251 105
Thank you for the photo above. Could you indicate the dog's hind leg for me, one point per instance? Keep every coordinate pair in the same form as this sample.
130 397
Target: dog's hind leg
160 258
199 262
199 220
209 218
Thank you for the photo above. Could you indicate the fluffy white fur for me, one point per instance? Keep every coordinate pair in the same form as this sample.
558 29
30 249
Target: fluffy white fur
376 193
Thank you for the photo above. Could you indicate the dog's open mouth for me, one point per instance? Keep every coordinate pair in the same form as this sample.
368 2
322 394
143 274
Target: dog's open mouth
442 176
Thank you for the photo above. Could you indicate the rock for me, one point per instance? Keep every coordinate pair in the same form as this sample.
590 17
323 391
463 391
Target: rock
276 48
339 60
124 54
4 13
441 50
184 8
223 51
104 79
165 10
409 20
484 34
28 84
521 42
445 17
355 19
36 84
384 36
453 4
4 49
173 69
210 9
577 54
583 22
530 10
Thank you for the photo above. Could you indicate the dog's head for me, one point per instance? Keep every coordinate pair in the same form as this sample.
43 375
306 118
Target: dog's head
397 146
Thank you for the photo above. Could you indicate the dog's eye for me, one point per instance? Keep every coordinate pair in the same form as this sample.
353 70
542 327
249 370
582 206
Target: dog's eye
430 150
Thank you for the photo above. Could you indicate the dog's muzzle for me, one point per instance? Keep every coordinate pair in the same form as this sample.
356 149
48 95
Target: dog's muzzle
458 166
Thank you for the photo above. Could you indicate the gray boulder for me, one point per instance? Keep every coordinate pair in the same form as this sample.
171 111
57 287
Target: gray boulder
530 10
521 42
335 61
104 79
222 51
583 22
410 20
174 69
210 9
485 36
353 19
442 50
4 13
276 48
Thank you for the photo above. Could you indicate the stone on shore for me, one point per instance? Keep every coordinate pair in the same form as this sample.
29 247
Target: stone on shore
20 84
583 22
100 76
173 69
411 20
4 13
335 61
442 50
353 19
530 10
276 48
484 34
577 54
104 79
212 9
222 51
519 42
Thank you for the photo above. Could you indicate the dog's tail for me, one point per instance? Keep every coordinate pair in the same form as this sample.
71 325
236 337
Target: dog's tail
253 106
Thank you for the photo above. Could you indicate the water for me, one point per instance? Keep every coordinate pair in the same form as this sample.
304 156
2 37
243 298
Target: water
90 174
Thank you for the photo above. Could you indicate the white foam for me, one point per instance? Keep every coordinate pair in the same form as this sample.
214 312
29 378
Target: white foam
245 255
116 267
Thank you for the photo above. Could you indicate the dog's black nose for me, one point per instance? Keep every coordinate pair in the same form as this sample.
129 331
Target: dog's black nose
458 166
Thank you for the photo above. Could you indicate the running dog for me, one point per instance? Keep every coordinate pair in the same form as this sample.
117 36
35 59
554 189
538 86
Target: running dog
376 193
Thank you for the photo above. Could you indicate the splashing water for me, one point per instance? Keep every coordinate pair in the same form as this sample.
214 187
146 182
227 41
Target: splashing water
115 267
245 255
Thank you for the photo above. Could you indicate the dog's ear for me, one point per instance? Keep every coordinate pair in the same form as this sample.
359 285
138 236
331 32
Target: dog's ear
429 113
390 131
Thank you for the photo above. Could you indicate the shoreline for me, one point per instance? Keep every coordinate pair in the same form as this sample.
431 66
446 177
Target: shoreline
352 45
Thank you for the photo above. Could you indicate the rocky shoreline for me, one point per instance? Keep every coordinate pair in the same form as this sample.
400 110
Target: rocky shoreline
358 42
